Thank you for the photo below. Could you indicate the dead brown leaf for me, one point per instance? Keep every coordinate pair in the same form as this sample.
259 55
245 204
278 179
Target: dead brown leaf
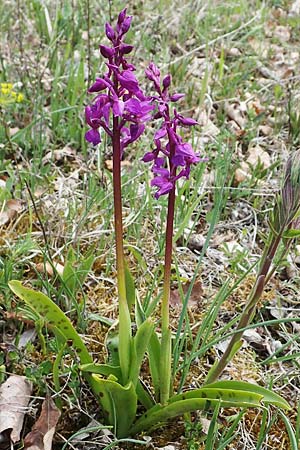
257 155
14 397
10 211
49 269
234 112
195 296
41 435
282 33
242 173
13 130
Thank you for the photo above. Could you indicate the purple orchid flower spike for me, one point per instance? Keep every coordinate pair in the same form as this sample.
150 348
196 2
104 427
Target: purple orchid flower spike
172 159
121 95
121 109
175 153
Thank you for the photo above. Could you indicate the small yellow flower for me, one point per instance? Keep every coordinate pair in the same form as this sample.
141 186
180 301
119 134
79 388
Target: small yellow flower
8 95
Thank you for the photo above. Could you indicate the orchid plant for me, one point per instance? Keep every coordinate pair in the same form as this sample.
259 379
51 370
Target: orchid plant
121 110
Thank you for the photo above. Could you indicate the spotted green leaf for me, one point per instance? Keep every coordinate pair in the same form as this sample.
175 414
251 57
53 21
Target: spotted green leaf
119 403
57 321
224 394
269 397
53 316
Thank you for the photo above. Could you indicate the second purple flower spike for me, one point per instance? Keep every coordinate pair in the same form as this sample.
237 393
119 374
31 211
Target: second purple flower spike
172 157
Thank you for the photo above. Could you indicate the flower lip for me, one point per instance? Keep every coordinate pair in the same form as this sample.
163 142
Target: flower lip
93 136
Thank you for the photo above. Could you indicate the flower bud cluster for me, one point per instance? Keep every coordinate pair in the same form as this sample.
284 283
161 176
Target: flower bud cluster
171 153
119 93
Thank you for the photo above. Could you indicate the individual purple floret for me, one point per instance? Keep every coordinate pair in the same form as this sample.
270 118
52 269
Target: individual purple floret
119 93
172 157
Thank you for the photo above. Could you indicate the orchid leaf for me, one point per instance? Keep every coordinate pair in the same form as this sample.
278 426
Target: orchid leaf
102 369
56 320
154 350
119 403
159 414
291 234
130 287
139 347
53 316
223 393
144 397
269 397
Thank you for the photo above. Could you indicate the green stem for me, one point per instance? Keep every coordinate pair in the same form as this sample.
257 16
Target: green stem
249 309
165 359
124 314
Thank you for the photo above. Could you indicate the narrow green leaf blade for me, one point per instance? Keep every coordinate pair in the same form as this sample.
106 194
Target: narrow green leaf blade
160 414
268 396
130 287
140 344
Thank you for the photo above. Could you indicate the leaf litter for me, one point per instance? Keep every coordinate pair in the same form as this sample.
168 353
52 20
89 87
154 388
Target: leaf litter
15 394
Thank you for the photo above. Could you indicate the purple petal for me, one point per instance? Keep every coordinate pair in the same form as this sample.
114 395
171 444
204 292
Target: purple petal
118 107
136 130
161 172
105 112
185 149
122 16
129 81
149 156
133 106
107 52
93 136
167 81
152 72
110 32
93 116
125 49
164 184
161 132
178 160
174 138
160 161
99 85
126 24
176 97
188 121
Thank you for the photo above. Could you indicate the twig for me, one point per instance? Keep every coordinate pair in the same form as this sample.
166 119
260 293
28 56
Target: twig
39 220
88 19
